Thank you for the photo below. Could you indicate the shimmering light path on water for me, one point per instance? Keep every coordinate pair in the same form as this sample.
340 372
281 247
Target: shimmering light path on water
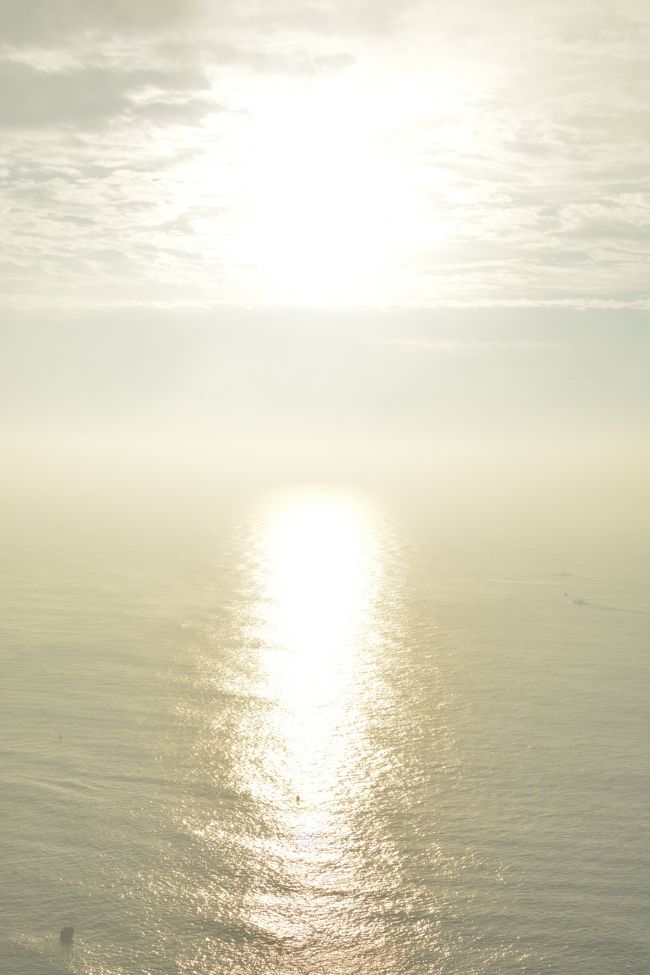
311 735
310 754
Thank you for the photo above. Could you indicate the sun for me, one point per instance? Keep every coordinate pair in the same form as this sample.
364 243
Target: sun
320 193
329 207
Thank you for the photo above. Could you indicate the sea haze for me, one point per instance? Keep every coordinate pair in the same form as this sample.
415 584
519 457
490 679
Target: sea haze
309 728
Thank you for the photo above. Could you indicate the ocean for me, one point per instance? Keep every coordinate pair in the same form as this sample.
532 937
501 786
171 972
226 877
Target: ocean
311 730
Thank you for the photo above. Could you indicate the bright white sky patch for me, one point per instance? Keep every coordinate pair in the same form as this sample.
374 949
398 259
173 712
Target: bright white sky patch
333 155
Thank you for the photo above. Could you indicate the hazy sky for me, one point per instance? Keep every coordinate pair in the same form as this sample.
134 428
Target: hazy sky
326 223
324 153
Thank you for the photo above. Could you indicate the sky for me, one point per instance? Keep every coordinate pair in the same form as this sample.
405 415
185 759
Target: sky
324 153
416 221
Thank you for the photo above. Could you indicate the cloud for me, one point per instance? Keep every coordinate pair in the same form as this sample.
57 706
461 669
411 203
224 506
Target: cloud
472 347
32 98
289 61
180 112
53 21
497 151
50 21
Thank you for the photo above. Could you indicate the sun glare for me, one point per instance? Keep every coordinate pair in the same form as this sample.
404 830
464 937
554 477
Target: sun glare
330 206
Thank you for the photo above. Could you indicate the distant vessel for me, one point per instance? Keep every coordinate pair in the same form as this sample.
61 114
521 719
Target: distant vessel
578 601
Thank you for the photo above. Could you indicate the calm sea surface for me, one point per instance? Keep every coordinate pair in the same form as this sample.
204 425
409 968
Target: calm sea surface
309 733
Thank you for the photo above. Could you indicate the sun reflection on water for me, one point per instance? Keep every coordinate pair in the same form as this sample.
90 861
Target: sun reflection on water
317 579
